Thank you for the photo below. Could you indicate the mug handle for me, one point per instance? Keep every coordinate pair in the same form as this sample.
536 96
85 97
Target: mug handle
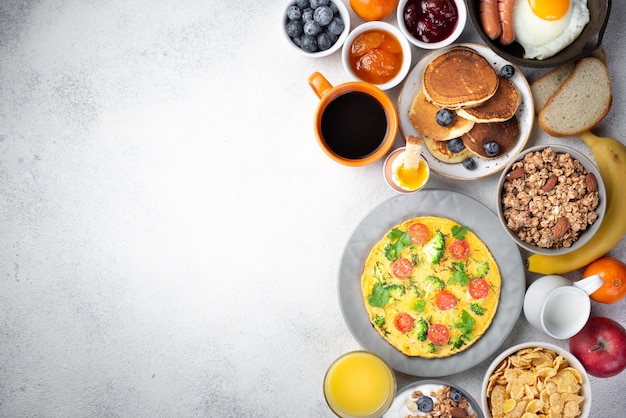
590 284
319 84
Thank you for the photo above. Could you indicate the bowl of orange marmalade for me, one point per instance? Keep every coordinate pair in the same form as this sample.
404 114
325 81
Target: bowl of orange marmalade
378 53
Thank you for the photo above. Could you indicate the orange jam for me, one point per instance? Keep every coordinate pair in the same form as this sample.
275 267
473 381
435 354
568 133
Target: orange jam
376 56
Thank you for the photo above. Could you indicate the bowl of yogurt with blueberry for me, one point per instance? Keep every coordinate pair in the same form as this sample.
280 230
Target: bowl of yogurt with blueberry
316 28
433 398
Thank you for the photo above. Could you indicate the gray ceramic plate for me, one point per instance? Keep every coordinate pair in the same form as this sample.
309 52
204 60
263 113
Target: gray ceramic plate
464 210
585 44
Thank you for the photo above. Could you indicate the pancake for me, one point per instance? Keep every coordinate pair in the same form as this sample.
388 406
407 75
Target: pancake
459 77
439 150
506 134
423 118
500 107
434 295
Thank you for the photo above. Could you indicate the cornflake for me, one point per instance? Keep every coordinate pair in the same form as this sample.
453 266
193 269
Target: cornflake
535 383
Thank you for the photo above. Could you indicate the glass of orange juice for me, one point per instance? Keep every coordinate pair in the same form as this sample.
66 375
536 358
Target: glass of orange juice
359 384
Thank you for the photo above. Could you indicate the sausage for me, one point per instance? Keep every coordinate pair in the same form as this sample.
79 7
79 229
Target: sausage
489 18
505 14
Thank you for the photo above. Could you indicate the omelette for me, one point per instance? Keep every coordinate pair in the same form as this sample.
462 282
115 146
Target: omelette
431 287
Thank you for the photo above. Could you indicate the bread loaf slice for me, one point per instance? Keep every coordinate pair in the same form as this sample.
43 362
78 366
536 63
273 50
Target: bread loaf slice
546 85
581 101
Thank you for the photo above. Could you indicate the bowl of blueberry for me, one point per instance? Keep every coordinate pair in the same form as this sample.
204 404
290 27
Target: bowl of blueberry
316 28
433 398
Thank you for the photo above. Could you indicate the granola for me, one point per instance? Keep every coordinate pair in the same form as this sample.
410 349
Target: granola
553 186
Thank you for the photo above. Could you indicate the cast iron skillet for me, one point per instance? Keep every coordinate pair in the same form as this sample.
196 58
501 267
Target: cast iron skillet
588 41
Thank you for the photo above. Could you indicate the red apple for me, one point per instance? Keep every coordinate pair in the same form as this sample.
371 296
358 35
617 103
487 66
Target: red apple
601 347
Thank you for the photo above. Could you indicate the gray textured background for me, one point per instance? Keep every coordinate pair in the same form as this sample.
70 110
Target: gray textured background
170 231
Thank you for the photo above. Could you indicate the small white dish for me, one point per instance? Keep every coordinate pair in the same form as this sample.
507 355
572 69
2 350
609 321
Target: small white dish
380 26
454 35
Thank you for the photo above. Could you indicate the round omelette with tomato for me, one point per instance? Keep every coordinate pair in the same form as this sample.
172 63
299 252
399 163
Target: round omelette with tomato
431 287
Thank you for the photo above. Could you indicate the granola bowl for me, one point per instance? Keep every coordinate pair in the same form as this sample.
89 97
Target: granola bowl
539 377
551 199
444 399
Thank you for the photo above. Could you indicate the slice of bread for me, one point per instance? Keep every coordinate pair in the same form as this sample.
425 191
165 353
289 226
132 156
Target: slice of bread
546 85
581 101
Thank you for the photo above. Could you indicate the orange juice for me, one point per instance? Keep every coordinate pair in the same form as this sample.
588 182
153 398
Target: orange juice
359 384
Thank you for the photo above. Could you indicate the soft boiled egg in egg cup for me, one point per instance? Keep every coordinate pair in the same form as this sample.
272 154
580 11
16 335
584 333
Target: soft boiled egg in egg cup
548 32
406 170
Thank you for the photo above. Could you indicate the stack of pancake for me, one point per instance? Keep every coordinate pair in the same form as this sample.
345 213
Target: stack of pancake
484 104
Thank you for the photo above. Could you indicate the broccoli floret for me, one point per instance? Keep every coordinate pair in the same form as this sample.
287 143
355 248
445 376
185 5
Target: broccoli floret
457 342
482 268
395 290
435 248
436 282
421 329
431 348
379 320
477 309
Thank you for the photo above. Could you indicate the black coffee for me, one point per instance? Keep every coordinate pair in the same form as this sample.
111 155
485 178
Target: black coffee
354 125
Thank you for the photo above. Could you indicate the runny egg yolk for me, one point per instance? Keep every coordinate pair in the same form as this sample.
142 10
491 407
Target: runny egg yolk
412 178
549 9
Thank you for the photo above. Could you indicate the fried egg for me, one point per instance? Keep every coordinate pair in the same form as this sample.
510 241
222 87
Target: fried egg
545 27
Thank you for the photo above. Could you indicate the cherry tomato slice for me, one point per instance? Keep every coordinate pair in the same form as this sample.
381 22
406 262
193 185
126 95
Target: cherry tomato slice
460 249
438 333
402 268
404 322
478 288
445 300
418 232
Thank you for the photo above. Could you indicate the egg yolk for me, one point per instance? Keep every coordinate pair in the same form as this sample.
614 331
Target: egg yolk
412 178
549 9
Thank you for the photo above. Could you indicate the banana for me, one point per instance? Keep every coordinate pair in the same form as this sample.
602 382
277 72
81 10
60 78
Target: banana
610 155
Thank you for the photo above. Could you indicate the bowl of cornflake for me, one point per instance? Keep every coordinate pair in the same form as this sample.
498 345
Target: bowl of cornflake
536 379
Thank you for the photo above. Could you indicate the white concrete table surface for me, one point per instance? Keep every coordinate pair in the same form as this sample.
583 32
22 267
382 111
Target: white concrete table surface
170 230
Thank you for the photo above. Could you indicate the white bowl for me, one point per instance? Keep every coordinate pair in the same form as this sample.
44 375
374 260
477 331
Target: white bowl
389 28
458 29
572 361
343 13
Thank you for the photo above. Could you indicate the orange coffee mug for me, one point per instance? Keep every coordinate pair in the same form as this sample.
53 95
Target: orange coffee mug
356 123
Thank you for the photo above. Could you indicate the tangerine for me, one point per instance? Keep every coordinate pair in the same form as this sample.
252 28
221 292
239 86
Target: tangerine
613 273
373 9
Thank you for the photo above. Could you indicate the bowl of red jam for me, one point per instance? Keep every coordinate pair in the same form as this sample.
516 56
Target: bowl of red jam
431 24
378 53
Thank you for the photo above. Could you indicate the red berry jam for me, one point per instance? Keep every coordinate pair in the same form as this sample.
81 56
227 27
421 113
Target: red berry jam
430 21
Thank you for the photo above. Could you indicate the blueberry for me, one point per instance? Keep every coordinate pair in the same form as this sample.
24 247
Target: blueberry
308 43
311 28
456 145
333 7
425 404
323 41
491 148
307 14
294 13
445 117
332 36
469 164
297 40
294 28
323 15
455 395
336 26
302 4
507 71
317 3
